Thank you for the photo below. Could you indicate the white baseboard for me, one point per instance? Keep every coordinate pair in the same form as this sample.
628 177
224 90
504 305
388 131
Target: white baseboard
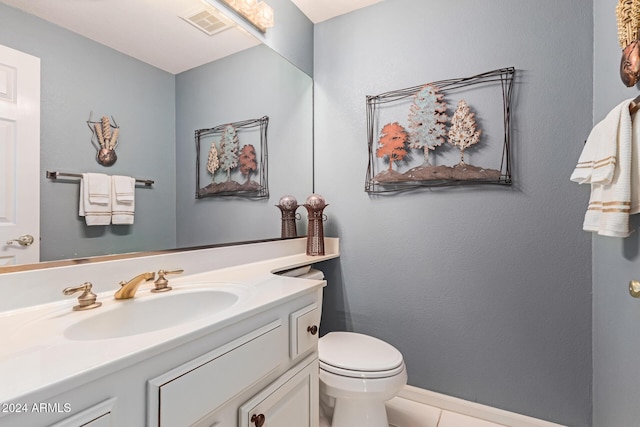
433 400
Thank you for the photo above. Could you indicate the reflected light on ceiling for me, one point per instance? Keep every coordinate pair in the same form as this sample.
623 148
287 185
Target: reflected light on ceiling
258 13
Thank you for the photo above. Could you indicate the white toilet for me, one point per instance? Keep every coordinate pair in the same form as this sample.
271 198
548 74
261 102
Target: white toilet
358 373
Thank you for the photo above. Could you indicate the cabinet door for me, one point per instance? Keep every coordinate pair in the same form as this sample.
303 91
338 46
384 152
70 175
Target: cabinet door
96 416
304 325
189 392
291 401
103 421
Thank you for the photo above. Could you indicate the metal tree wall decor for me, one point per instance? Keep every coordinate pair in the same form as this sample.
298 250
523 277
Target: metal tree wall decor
236 163
417 138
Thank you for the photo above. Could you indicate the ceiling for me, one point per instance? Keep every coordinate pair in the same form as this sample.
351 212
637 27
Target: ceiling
321 10
155 33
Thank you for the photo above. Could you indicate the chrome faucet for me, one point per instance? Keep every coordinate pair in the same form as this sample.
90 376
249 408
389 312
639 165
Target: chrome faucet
128 289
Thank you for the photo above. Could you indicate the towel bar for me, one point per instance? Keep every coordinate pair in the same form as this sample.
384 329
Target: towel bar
55 175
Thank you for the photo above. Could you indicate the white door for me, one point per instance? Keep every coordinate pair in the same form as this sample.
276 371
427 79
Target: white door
19 157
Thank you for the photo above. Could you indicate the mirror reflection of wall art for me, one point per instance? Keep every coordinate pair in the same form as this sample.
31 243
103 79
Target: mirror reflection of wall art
104 137
236 160
448 132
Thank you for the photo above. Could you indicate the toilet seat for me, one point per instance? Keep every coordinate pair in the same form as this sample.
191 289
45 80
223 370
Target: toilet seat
354 355
361 374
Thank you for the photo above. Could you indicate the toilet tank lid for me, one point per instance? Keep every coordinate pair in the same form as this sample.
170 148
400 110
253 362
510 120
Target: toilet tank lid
358 352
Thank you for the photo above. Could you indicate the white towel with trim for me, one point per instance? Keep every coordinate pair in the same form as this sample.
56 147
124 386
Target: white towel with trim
124 188
92 187
597 161
635 164
123 199
610 203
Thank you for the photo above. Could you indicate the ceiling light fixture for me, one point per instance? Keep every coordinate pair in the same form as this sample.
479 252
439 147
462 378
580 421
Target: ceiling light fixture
258 13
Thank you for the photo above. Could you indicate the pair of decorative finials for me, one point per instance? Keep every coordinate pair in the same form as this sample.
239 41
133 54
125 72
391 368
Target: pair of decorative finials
315 205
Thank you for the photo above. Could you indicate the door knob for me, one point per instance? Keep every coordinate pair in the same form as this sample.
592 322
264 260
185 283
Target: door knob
24 240
634 288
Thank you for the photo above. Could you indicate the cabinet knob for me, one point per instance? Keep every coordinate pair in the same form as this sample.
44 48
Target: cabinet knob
312 329
258 420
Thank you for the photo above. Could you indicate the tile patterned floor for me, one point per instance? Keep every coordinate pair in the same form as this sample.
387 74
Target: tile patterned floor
451 419
404 413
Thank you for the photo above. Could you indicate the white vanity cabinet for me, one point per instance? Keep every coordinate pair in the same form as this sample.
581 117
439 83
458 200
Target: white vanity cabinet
252 381
242 369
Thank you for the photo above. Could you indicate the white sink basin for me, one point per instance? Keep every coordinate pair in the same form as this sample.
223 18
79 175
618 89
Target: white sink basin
150 313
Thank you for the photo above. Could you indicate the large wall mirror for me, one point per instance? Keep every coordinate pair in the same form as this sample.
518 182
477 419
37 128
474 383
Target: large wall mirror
158 107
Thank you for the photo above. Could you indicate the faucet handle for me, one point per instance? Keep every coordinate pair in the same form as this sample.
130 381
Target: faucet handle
87 300
162 284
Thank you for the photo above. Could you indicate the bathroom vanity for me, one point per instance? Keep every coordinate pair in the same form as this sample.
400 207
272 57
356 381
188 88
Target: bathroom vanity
232 344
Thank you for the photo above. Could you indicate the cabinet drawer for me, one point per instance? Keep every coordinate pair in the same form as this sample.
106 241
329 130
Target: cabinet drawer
191 391
304 325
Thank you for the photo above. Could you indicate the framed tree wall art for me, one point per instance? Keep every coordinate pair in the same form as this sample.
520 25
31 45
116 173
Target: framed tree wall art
449 132
231 160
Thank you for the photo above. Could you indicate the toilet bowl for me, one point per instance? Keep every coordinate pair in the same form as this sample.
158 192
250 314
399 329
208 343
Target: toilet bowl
358 374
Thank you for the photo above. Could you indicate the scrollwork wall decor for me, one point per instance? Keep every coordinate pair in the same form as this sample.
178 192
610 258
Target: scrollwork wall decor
104 137
455 147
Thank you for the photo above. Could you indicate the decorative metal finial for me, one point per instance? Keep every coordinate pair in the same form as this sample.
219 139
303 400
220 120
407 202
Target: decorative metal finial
315 204
288 205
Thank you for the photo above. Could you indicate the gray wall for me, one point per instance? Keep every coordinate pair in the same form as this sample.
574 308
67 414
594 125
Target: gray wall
80 76
291 36
485 290
615 261
247 85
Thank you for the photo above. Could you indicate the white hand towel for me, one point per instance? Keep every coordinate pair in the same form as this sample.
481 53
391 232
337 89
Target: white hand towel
94 213
610 203
124 187
123 199
597 162
99 188
635 164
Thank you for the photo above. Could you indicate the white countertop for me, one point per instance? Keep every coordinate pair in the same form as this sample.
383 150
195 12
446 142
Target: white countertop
37 357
